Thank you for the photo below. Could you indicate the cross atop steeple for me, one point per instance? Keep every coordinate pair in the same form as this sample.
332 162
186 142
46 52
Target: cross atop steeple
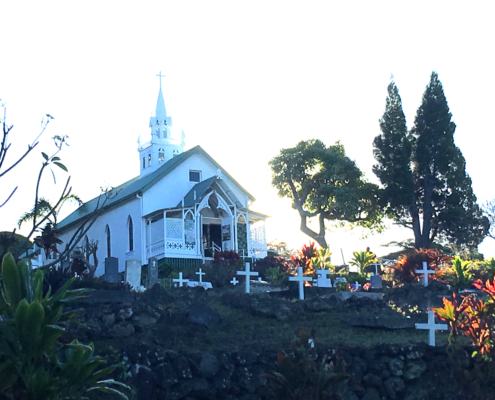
161 76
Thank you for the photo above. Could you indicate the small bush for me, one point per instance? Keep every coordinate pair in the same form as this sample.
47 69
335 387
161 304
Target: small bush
263 265
404 269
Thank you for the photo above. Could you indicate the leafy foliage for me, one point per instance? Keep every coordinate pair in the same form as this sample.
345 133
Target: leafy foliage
270 263
322 260
324 183
404 269
14 243
458 275
30 361
300 375
304 258
473 318
423 173
362 259
48 240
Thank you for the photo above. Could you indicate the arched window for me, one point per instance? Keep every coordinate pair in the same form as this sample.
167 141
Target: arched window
109 247
131 233
161 155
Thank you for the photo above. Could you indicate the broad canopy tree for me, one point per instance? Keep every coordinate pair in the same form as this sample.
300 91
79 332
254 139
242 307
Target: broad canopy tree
425 184
324 183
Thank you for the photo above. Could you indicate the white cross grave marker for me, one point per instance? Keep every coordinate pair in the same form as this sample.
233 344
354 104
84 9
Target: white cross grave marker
200 273
248 274
357 286
300 278
234 281
180 281
425 271
432 327
323 280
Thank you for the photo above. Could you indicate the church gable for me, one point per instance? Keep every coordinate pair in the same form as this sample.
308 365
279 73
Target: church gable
169 190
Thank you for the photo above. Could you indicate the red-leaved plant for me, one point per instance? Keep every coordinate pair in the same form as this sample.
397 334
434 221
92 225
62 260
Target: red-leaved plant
473 318
406 266
303 258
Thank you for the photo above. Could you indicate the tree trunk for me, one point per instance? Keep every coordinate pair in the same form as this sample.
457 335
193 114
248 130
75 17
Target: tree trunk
318 238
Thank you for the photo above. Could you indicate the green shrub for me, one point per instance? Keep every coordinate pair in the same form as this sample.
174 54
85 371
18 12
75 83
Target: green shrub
31 366
276 276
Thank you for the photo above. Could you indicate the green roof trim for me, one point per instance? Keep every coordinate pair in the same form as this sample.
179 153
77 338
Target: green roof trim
137 185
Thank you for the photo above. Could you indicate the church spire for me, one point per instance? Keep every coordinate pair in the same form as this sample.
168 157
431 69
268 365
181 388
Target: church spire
161 112
162 147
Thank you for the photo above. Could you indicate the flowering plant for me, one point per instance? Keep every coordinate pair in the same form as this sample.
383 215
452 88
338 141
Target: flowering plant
367 286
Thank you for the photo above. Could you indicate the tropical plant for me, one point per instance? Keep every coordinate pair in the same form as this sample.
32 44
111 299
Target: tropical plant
45 208
322 260
48 240
31 365
473 318
304 258
458 275
362 259
405 268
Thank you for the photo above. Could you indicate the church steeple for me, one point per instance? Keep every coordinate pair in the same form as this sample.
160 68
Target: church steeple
161 147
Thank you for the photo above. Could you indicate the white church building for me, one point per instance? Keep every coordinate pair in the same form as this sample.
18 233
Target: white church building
182 207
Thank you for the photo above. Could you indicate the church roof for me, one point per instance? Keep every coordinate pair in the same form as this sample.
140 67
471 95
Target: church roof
200 188
129 189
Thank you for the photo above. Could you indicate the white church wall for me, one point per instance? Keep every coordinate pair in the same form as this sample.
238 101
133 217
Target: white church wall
117 220
170 190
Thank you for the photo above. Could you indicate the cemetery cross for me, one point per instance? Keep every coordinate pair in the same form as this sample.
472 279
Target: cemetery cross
300 278
180 281
248 274
234 281
432 327
425 271
200 273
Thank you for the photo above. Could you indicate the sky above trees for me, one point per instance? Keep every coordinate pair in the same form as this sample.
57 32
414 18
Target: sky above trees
242 81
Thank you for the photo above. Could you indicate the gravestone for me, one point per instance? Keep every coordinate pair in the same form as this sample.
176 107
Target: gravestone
376 282
112 273
133 273
323 280
152 272
234 281
200 273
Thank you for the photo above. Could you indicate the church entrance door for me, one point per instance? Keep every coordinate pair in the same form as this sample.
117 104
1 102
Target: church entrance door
212 238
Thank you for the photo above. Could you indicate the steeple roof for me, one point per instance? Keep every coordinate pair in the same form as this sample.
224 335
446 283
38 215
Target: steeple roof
161 112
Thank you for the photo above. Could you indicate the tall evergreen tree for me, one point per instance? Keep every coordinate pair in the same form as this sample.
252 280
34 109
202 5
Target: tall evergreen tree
426 187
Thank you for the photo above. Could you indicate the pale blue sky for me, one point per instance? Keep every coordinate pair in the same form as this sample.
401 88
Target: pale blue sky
243 79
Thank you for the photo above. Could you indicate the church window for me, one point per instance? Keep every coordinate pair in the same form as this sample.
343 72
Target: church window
158 132
165 133
144 162
161 155
109 247
194 176
131 233
149 160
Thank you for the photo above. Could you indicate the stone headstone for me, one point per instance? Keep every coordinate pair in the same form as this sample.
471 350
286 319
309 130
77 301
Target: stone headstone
133 273
112 273
376 282
323 280
152 272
